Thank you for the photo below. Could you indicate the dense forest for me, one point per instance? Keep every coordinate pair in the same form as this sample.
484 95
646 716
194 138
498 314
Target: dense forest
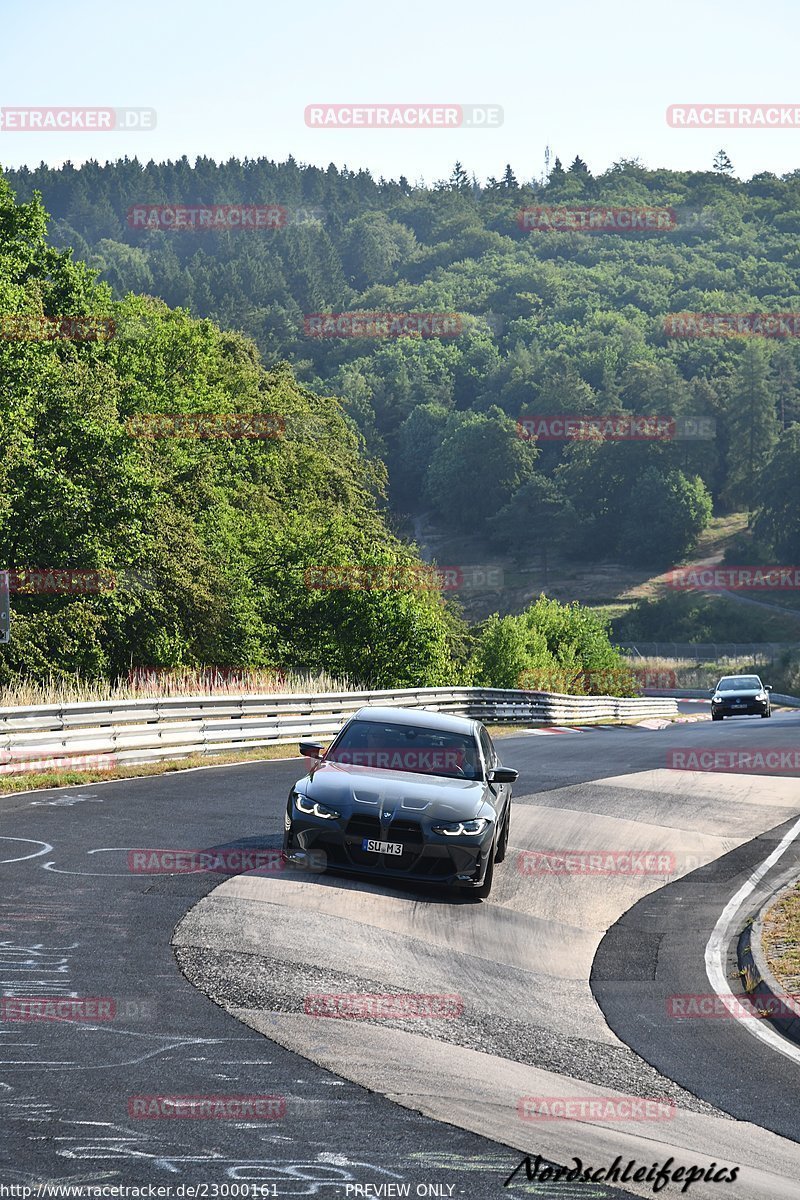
129 545
549 320
519 316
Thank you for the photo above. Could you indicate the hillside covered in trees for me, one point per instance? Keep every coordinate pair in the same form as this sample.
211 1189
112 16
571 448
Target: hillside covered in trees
549 321
132 541
194 550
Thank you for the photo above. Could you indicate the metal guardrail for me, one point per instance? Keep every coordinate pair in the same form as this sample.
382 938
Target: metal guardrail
118 732
778 698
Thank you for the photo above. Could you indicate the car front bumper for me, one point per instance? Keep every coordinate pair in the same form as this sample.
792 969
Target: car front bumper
337 845
732 708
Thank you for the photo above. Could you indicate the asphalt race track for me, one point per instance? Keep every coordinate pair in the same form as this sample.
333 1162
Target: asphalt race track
564 978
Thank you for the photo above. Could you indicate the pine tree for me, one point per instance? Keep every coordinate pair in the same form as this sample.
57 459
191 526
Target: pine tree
459 180
557 175
752 426
509 178
785 371
722 164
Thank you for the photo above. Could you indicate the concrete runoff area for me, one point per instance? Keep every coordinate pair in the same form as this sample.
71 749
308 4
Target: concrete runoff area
521 959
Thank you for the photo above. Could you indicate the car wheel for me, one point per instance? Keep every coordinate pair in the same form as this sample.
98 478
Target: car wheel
716 716
768 713
502 845
485 888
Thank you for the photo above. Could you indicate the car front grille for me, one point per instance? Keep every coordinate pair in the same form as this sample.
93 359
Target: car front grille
408 833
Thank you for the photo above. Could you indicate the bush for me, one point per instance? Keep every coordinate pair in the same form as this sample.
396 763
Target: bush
551 647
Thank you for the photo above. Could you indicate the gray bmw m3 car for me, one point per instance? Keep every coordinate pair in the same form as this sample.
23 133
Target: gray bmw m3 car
403 794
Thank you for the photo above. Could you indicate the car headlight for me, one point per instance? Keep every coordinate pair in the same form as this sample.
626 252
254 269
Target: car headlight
454 828
761 696
313 809
716 698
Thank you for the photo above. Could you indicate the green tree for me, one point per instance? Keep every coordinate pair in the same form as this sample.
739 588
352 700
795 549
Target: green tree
534 521
752 426
550 647
417 440
374 247
209 541
459 180
477 467
777 520
722 164
666 515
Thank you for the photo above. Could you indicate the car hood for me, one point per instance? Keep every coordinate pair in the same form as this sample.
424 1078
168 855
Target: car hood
739 693
407 795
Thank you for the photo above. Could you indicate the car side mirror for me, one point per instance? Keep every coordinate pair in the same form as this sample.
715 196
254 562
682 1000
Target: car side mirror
503 775
767 687
312 749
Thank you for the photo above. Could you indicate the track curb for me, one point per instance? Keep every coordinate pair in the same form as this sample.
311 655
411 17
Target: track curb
758 980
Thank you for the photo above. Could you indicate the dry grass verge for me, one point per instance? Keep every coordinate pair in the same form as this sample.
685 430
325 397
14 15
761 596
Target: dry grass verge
781 940
147 683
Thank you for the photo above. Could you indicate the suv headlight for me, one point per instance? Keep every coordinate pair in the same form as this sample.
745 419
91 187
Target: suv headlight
456 828
312 809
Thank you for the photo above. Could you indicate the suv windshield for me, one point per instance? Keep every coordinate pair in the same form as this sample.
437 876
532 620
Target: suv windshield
736 683
407 748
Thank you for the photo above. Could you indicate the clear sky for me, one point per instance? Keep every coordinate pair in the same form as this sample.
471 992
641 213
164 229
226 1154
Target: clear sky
233 78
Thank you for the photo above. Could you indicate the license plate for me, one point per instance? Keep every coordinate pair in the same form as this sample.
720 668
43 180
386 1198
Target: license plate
376 847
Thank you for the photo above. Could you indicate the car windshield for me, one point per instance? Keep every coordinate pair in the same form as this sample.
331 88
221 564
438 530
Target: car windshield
412 748
736 683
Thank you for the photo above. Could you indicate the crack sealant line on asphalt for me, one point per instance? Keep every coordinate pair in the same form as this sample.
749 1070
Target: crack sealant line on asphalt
716 949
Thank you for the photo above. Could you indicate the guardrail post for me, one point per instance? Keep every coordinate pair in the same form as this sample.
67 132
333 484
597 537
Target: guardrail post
5 608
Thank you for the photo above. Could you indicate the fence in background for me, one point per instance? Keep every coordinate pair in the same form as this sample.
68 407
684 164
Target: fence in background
762 652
